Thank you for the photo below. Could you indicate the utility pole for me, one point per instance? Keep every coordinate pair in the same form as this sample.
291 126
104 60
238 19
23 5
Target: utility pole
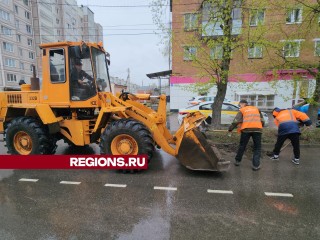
128 80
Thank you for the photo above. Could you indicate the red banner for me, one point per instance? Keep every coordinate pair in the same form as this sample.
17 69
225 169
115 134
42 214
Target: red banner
74 162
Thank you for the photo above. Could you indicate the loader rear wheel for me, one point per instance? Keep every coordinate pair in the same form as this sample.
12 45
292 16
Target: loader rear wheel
26 135
127 137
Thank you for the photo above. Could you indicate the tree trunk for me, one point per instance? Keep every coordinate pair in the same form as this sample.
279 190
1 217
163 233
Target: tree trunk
222 80
217 105
315 104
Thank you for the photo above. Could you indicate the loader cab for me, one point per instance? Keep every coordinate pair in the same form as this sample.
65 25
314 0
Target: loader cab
88 72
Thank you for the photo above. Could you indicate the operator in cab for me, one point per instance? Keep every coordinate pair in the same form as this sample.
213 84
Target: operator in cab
78 75
81 82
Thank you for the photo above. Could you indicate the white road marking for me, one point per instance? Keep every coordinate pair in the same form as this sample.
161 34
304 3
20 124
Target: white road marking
165 188
220 191
278 194
115 185
70 182
28 180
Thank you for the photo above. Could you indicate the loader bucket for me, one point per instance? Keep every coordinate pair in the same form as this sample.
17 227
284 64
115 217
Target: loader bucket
196 153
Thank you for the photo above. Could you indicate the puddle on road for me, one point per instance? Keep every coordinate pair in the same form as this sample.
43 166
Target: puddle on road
5 174
158 224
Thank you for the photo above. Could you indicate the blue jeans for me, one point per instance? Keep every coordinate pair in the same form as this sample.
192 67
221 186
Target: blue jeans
244 139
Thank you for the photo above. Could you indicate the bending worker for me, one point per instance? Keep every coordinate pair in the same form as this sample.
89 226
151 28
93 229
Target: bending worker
287 121
250 121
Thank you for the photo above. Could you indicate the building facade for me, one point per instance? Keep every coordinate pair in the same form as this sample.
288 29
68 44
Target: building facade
25 24
17 50
252 72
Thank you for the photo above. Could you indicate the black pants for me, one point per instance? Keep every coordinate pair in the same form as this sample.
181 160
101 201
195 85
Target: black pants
244 139
294 138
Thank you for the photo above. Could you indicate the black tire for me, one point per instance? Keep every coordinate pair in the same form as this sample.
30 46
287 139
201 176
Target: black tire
132 128
39 140
52 146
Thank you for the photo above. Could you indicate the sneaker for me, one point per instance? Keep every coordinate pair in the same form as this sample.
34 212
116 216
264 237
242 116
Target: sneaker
275 157
295 161
255 168
237 163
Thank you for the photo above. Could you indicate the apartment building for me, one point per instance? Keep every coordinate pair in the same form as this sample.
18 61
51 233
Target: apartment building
252 73
27 23
63 20
17 50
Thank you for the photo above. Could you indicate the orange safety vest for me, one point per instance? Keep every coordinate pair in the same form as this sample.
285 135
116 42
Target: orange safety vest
251 117
289 115
285 116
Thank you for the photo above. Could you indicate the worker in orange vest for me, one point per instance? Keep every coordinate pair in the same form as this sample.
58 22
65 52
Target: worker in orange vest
250 123
288 121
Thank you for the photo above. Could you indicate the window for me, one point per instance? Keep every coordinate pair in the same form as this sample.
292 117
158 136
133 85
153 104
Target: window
57 65
216 52
206 107
265 101
6 31
294 16
256 17
58 33
31 67
190 21
21 65
291 48
18 38
17 23
28 28
6 2
26 2
20 52
317 48
211 19
255 51
27 15
189 53
29 42
31 55
4 15
8 47
16 9
57 21
9 62
228 107
11 77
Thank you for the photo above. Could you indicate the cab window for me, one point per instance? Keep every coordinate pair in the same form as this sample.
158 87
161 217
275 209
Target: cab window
228 107
206 107
57 66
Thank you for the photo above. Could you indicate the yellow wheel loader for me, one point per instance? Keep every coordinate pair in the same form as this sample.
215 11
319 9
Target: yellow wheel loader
73 101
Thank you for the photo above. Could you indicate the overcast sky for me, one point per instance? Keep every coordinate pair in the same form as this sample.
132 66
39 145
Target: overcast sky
140 53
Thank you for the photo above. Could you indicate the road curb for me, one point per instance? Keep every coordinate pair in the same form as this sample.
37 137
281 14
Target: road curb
271 145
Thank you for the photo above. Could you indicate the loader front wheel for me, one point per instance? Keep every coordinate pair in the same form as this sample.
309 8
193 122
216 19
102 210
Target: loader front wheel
26 135
127 137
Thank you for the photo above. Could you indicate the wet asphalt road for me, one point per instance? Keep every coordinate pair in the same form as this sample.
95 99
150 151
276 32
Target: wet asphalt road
47 209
